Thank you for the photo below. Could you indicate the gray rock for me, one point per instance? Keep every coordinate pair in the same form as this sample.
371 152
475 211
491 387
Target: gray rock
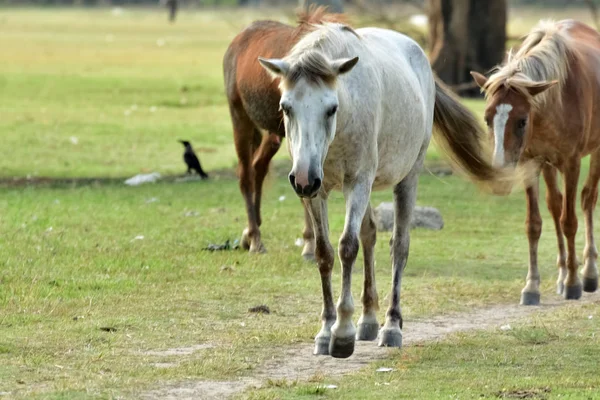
423 217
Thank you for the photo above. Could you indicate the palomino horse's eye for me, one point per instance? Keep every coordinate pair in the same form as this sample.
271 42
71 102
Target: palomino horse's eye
331 111
521 123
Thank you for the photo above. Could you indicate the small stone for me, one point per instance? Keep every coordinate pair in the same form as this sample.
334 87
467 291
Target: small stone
299 242
384 369
423 217
506 327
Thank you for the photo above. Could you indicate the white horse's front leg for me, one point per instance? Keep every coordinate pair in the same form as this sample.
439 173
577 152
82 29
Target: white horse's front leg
317 210
343 332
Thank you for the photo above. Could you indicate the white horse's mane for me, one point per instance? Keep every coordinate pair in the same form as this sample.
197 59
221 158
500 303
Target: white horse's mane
311 57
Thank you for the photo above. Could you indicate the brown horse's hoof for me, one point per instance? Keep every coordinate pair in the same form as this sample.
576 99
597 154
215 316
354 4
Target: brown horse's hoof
590 285
530 299
573 292
321 346
245 242
310 257
390 338
341 347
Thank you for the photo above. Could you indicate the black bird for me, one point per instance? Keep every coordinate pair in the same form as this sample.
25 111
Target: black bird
191 160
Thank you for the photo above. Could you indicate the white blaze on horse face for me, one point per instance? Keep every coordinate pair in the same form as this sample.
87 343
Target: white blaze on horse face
309 128
500 120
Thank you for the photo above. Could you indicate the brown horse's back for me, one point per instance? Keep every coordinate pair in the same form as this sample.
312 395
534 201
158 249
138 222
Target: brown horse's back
247 84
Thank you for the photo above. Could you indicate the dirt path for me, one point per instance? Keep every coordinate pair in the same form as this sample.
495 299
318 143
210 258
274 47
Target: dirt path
298 363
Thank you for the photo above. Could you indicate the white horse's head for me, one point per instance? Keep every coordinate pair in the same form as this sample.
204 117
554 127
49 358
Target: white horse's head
309 101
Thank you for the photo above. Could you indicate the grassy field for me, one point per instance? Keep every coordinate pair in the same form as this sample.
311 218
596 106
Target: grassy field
96 280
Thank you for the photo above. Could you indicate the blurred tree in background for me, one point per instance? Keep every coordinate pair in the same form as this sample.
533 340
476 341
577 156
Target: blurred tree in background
464 36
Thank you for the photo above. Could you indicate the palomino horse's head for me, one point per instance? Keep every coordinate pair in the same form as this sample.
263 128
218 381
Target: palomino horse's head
309 102
507 115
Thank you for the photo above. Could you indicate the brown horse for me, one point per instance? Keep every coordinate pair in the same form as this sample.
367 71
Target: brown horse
253 99
543 105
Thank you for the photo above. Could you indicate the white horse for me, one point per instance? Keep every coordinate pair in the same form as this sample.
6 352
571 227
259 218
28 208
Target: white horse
355 126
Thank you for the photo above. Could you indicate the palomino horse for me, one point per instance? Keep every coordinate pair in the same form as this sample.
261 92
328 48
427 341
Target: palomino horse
542 106
254 104
355 126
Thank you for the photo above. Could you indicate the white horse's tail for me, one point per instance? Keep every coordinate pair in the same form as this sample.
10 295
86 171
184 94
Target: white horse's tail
461 136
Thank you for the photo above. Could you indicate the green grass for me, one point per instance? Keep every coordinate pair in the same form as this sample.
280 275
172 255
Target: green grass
70 263
554 356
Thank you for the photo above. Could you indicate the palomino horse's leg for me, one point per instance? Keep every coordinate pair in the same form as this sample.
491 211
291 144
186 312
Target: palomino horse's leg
554 199
317 208
589 196
405 195
530 295
268 147
367 324
568 221
343 332
308 252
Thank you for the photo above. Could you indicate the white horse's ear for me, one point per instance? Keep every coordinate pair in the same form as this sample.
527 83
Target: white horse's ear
479 79
344 65
276 67
540 87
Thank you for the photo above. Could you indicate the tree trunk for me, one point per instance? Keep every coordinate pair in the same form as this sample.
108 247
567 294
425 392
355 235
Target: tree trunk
464 36
333 6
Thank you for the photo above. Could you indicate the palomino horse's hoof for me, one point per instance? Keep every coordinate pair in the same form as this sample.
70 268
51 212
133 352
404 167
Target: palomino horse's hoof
390 338
321 346
367 331
341 347
590 285
573 292
530 299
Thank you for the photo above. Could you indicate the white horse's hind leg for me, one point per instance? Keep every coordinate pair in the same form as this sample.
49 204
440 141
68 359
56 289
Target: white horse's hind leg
317 209
368 326
405 194
343 332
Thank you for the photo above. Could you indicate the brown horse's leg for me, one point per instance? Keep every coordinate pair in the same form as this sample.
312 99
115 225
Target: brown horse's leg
317 209
367 324
268 147
308 252
405 195
530 295
568 221
244 136
589 196
554 199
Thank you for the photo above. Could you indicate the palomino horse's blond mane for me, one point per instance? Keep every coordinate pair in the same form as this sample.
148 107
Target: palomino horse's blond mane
543 57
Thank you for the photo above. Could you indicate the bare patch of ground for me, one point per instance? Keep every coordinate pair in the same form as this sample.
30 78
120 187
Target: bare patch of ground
298 364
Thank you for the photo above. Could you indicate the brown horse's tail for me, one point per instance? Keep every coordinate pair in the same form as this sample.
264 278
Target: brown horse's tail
461 136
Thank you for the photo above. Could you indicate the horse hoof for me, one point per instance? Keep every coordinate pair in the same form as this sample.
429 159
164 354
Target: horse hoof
530 299
260 249
245 242
367 331
310 257
573 292
590 285
390 338
341 347
321 346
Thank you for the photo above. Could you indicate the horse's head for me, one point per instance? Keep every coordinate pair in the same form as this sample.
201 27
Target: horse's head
309 101
507 115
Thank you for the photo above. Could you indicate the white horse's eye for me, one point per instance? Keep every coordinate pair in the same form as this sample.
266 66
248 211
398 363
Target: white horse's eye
332 110
286 108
